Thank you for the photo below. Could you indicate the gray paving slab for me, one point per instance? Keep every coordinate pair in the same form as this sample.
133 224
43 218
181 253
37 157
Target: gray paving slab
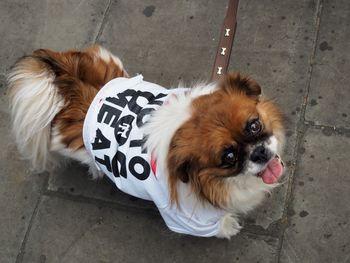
330 80
166 41
69 231
273 44
27 25
319 217
19 190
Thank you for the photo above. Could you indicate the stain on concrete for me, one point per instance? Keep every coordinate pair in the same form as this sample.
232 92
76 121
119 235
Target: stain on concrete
324 46
148 11
313 102
311 179
344 115
303 213
327 131
343 248
327 235
283 17
301 183
289 133
42 259
301 150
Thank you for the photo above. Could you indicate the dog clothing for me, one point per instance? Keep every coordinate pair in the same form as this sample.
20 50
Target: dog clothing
113 137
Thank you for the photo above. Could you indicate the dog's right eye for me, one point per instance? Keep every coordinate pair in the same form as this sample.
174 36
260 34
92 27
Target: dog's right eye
229 157
254 127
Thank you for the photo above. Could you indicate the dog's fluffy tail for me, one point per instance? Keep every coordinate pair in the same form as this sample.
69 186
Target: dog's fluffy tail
50 93
34 103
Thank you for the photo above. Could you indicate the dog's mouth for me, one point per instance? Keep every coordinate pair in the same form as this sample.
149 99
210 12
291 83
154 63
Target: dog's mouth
273 171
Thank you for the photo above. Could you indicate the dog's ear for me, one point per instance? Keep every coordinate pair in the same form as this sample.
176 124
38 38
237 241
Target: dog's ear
181 166
236 82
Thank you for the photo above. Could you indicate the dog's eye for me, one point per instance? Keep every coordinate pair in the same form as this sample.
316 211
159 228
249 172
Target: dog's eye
229 157
254 127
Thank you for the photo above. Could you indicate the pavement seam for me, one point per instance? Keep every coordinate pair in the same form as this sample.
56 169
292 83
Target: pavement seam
301 127
328 129
19 258
103 22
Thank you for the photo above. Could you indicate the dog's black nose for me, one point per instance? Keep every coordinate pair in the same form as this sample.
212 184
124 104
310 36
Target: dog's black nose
260 155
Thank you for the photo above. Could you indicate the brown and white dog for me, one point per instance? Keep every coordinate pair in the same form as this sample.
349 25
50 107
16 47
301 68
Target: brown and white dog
220 141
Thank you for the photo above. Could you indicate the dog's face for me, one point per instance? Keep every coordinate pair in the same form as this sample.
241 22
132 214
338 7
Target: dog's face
232 132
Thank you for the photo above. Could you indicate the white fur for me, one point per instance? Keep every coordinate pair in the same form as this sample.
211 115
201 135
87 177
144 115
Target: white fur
246 192
229 226
34 103
105 55
165 121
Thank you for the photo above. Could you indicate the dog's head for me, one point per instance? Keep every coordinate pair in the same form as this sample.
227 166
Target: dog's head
233 132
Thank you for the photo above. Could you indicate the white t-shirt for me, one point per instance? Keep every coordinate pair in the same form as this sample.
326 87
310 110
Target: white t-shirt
113 138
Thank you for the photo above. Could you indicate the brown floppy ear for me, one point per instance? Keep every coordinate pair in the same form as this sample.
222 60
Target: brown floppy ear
180 166
234 81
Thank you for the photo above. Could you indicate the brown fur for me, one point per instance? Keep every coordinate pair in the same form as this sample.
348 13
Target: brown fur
218 120
78 75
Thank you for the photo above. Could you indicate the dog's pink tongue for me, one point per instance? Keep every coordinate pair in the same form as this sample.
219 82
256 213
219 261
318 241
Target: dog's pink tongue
273 171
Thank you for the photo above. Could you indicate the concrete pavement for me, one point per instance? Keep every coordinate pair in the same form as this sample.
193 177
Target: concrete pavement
297 50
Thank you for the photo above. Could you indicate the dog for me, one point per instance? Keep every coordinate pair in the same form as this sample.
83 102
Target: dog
204 155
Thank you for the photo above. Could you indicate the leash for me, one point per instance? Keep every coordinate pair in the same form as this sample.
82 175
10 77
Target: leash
228 31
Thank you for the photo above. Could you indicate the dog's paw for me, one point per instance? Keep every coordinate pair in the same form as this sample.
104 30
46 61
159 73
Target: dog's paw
229 226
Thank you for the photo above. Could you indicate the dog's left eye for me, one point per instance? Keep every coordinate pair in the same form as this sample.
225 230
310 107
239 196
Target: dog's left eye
229 157
254 127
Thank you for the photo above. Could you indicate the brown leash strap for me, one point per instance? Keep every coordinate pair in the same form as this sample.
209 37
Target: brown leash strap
228 31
